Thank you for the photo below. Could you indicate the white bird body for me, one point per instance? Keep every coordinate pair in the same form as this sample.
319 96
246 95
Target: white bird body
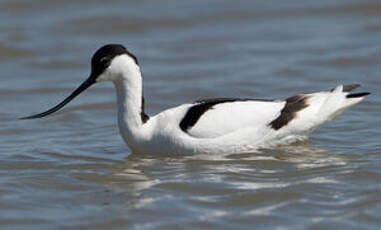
223 125
232 127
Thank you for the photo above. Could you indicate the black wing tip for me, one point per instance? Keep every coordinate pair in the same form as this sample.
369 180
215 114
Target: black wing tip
356 95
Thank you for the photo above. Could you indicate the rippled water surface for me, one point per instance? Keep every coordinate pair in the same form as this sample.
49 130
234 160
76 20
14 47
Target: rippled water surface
73 171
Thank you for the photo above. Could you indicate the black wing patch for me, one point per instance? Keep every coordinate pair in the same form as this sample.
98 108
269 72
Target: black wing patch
195 112
288 113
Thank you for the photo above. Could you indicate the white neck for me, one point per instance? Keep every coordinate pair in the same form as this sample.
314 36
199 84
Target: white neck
129 91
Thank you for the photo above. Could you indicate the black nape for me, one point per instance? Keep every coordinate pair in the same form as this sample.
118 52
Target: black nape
143 115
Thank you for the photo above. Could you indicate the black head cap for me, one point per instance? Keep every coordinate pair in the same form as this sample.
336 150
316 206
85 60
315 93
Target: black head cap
99 63
104 55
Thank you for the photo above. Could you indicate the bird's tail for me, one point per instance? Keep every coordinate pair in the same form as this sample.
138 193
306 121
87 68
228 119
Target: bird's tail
352 98
322 107
344 98
326 105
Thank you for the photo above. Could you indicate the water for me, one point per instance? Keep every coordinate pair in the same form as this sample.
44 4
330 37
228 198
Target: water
73 171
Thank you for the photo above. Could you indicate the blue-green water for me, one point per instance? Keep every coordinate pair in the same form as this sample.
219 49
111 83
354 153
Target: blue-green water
73 171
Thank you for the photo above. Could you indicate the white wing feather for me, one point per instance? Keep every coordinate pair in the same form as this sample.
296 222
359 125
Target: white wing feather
225 118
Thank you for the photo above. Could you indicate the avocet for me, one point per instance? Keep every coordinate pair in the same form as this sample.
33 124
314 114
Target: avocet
220 125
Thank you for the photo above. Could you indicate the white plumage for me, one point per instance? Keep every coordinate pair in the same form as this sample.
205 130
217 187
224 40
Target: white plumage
210 126
230 117
241 126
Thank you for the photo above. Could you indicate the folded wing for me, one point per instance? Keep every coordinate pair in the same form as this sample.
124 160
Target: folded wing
216 117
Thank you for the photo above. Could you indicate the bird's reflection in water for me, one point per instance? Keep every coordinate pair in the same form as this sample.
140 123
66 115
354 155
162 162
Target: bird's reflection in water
143 181
140 172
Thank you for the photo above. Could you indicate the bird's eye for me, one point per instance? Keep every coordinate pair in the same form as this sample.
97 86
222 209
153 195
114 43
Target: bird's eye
105 61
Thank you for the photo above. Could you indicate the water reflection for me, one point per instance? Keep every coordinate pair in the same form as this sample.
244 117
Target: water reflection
268 168
253 184
304 156
130 174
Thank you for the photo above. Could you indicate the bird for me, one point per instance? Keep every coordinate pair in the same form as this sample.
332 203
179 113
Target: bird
217 125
